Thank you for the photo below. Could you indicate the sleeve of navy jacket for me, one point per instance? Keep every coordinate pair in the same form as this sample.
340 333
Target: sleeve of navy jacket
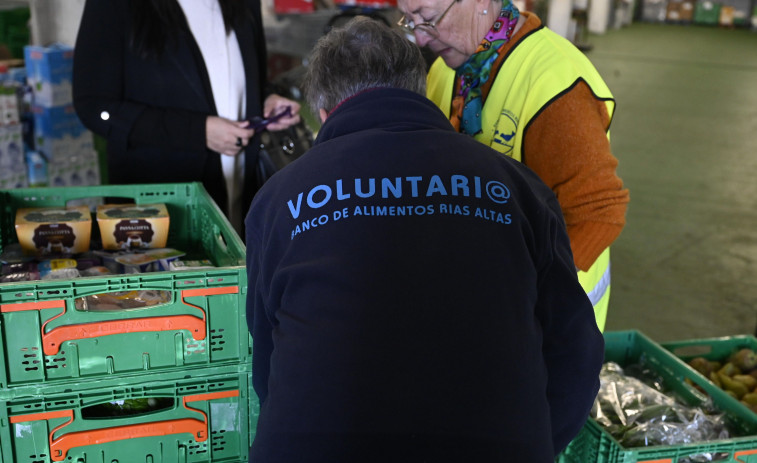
412 297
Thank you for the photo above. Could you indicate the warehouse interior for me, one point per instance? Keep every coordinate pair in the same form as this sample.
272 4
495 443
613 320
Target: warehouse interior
685 266
685 136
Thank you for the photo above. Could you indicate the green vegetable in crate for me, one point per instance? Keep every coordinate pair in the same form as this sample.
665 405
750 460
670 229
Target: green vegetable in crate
748 380
704 366
729 384
655 413
745 359
716 379
639 414
127 407
750 399
729 369
737 376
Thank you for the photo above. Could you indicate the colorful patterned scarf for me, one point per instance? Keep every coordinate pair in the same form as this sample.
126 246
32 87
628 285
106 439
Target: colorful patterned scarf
473 75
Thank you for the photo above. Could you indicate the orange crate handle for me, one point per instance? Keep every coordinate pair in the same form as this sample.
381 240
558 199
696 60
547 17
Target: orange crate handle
60 446
741 453
52 340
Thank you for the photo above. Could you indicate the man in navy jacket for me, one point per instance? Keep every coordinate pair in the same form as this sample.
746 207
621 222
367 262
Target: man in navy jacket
412 294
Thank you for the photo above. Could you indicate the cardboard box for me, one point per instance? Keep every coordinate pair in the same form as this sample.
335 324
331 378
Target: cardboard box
50 230
9 113
726 15
49 71
36 169
131 226
680 11
82 170
57 121
11 150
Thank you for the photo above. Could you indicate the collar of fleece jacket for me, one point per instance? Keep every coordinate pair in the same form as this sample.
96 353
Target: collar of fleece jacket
385 104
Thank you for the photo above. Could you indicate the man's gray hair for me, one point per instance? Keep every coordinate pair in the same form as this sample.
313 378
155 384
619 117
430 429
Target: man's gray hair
362 54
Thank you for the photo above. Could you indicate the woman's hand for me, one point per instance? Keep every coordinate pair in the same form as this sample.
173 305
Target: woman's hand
226 136
276 104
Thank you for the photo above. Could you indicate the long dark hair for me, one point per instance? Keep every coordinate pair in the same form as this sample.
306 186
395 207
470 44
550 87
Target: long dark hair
155 23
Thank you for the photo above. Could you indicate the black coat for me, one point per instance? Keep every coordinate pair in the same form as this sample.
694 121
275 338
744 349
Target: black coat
157 108
412 297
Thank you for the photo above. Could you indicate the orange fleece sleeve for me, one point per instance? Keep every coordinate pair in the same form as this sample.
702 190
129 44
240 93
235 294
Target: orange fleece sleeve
567 146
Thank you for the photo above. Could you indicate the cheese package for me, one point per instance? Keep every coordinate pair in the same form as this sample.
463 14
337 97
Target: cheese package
131 226
50 231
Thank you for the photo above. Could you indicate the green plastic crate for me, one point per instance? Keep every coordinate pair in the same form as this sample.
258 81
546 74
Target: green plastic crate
718 348
594 444
707 12
45 339
710 348
209 418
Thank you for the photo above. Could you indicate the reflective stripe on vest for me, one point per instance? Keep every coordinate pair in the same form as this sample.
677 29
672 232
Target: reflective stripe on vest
600 288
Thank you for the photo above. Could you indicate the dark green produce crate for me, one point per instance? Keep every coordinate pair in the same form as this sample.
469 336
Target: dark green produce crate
719 349
594 444
14 29
707 12
710 348
45 339
208 418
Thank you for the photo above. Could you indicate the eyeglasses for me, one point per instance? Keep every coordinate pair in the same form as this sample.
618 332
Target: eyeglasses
427 27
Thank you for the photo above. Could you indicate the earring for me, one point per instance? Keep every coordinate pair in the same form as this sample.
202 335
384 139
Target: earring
485 12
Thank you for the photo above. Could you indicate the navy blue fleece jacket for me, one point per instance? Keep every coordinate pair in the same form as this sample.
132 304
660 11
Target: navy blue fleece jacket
412 297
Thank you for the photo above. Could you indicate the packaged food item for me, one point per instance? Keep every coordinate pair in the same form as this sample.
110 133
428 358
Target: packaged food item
13 253
19 276
18 271
152 260
122 300
54 231
87 260
67 273
47 267
95 271
190 264
129 226
18 267
108 259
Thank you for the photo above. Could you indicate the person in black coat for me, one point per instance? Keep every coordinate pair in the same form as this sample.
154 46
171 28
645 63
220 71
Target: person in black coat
151 77
412 295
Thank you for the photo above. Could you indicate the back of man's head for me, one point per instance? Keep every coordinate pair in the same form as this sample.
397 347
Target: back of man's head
362 54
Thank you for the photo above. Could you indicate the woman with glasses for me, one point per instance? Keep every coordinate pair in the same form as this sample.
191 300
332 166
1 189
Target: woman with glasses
505 79
170 85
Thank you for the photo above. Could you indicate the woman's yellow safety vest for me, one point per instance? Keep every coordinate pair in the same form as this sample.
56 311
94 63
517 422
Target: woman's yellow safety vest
540 68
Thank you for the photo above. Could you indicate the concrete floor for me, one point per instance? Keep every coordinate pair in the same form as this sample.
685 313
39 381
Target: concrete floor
685 133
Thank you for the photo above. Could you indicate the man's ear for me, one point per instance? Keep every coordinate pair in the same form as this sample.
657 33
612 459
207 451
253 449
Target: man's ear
323 114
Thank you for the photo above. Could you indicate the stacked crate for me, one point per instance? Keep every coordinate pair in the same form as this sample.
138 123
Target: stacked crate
722 12
165 382
707 12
